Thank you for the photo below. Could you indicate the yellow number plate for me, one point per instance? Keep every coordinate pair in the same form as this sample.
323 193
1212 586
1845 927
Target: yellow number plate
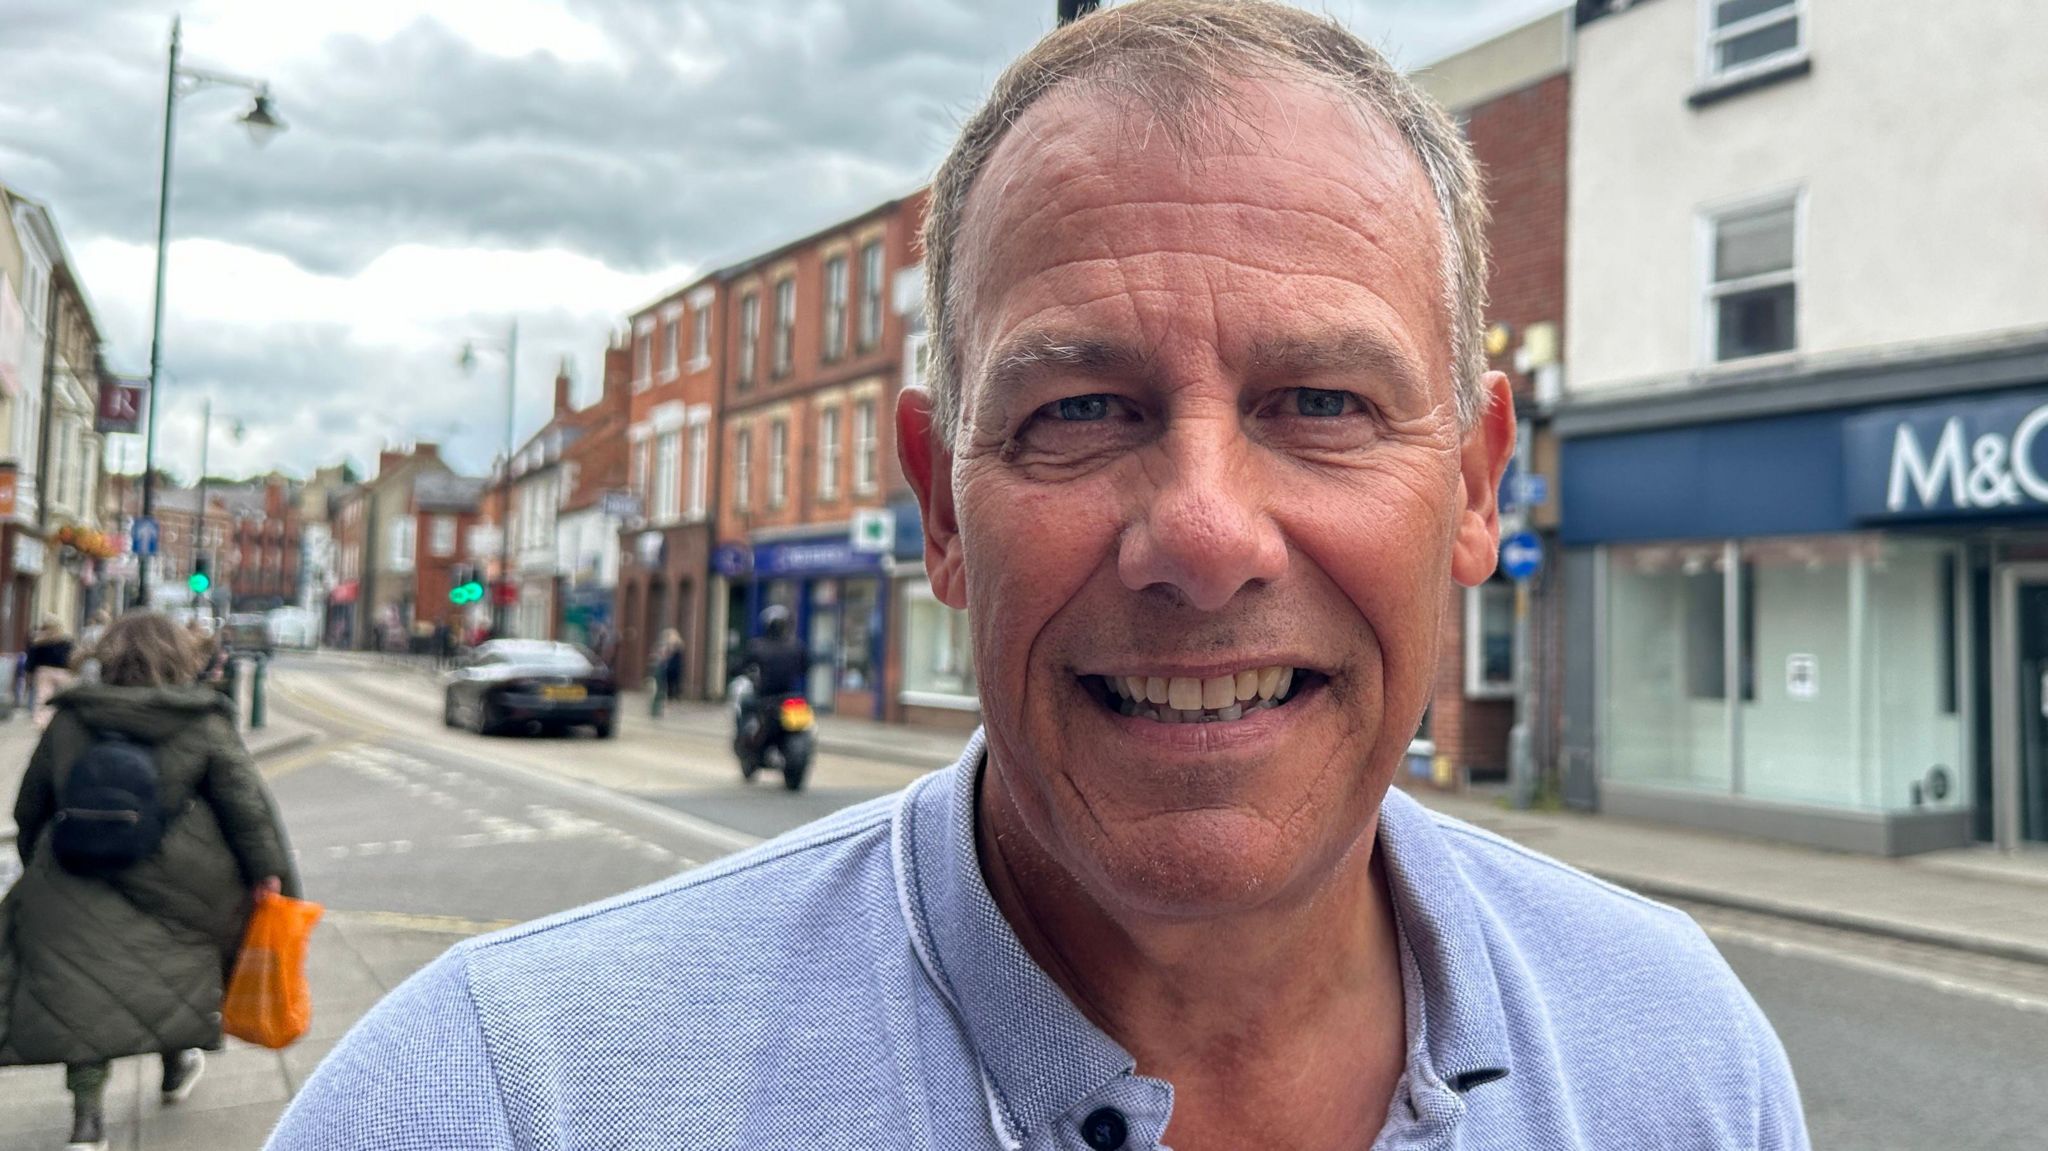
570 692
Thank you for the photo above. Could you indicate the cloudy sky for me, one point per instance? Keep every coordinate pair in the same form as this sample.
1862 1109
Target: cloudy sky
453 164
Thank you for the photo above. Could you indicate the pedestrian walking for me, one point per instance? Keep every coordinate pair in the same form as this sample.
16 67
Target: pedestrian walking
144 832
672 664
49 664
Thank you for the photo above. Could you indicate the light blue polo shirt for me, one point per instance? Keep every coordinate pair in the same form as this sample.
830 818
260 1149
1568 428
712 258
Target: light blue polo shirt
853 985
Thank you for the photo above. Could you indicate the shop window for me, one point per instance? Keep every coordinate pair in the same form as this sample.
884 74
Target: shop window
1490 639
938 662
1666 716
857 633
1752 293
1846 666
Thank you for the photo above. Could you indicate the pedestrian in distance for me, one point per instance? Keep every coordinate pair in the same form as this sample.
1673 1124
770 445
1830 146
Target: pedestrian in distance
1206 432
144 832
50 652
671 662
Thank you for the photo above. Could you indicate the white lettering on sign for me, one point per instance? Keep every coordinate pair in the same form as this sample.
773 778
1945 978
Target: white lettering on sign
1991 472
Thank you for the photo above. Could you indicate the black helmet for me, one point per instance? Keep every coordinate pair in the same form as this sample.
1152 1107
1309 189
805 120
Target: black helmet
775 621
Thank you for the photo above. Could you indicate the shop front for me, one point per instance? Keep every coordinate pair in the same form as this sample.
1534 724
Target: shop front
842 587
1827 626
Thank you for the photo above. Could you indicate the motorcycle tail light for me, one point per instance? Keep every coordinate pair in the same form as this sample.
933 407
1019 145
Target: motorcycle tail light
796 715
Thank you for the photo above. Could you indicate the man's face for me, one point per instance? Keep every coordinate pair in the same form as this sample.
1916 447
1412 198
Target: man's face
1210 490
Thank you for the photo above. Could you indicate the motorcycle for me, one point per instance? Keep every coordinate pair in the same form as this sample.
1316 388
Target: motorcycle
779 733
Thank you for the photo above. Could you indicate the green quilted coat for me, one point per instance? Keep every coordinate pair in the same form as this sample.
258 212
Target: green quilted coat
97 968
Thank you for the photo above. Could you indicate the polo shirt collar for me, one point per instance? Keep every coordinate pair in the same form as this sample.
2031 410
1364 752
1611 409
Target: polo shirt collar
1040 1058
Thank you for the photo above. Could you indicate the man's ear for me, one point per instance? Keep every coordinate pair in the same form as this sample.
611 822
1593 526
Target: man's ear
929 466
1482 460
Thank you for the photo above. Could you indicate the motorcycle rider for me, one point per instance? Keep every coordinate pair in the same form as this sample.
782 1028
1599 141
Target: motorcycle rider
776 663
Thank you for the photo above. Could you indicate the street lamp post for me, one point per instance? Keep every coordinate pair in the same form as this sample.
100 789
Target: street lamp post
263 123
510 349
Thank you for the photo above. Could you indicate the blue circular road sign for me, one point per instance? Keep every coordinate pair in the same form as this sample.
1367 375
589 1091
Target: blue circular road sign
1521 555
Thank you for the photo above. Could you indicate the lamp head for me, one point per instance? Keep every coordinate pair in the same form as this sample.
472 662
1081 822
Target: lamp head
262 120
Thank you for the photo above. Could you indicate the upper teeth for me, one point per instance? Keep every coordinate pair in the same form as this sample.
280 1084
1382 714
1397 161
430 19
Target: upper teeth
1188 693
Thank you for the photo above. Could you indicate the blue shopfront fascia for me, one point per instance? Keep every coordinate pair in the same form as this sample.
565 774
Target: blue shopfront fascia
1969 458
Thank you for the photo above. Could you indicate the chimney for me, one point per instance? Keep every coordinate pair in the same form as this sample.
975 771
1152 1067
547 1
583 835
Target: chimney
562 385
389 461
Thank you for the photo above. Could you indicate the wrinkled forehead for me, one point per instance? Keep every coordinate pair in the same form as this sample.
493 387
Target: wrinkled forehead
1316 179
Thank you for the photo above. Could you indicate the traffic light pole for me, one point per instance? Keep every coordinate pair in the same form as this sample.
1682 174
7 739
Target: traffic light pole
199 544
501 612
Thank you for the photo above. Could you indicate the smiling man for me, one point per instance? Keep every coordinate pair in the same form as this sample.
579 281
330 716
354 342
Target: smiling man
1207 437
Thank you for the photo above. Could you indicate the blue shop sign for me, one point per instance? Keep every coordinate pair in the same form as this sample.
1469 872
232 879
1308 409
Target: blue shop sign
731 560
813 557
1948 460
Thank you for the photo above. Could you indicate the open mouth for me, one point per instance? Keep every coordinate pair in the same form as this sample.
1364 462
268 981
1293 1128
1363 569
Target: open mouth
1214 699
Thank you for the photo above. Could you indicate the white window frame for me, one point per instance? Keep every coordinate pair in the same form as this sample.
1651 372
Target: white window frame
404 537
441 541
672 337
1476 686
872 287
643 353
743 469
698 495
782 353
867 447
832 345
778 464
830 428
700 337
1711 39
750 338
668 474
1707 229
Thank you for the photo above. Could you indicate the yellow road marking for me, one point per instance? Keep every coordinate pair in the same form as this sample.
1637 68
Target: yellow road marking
404 921
283 767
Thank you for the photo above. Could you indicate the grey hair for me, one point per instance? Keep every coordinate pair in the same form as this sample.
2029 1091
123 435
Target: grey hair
1176 59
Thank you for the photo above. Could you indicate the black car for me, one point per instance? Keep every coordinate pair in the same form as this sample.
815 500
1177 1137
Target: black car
530 686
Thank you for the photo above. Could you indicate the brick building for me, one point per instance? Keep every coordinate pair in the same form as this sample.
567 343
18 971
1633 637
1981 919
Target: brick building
1512 95
812 512
251 536
549 496
672 355
446 510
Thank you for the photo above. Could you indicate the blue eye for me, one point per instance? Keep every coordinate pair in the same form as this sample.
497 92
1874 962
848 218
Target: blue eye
1083 409
1321 403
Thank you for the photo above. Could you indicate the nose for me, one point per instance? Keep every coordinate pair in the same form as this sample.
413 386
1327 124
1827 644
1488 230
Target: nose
1205 530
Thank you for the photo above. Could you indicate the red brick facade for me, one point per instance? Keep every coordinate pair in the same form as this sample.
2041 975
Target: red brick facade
1519 139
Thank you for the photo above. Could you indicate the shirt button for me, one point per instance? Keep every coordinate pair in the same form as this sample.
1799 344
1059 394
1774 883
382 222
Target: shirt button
1104 1129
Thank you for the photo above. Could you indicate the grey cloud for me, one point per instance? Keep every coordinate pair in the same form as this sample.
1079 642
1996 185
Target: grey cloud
792 113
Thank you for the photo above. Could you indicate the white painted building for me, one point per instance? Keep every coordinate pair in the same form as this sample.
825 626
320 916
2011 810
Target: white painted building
1806 329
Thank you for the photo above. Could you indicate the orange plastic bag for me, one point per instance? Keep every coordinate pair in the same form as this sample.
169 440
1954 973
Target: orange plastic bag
268 1001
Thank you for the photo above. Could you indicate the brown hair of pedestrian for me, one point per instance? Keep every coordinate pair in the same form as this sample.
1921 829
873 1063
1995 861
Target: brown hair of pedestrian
145 649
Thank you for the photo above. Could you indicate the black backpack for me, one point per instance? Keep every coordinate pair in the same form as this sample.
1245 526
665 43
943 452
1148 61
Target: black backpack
108 814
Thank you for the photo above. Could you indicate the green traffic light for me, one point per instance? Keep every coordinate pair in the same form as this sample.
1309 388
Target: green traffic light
198 583
466 593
